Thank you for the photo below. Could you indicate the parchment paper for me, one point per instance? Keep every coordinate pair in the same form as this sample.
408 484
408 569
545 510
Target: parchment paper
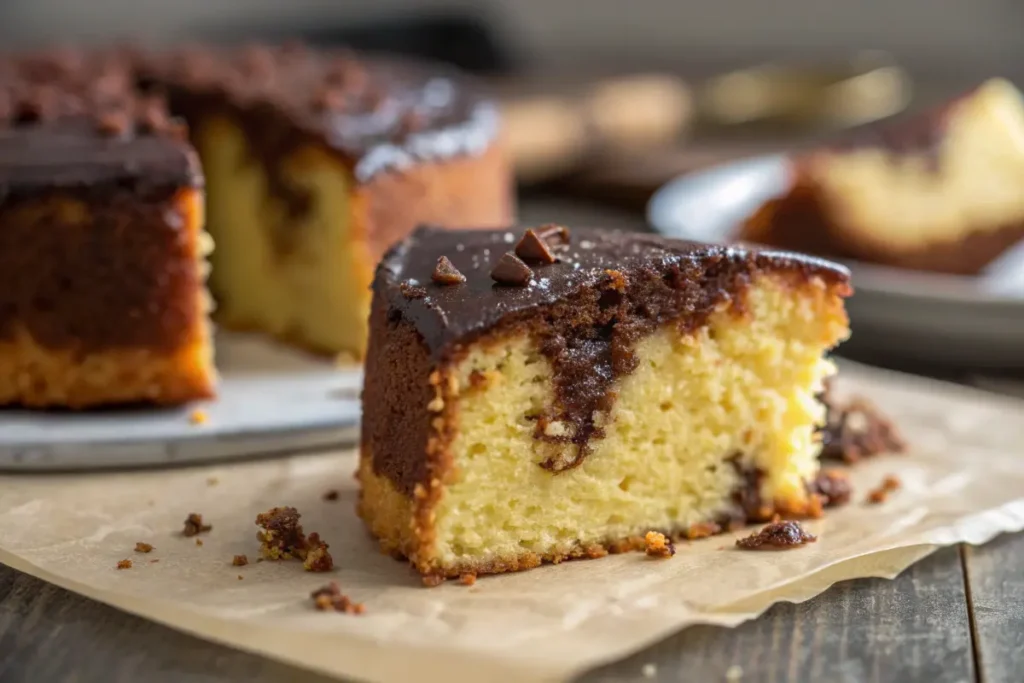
962 481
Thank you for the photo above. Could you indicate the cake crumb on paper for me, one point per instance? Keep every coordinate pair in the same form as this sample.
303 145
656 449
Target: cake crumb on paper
656 544
124 564
649 670
777 536
467 579
329 598
281 537
194 525
881 493
239 560
141 547
198 417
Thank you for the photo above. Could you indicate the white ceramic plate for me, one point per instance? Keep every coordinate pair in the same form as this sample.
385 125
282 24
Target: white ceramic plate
965 321
271 400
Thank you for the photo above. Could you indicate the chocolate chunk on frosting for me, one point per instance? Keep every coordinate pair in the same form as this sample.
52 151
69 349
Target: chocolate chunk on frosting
510 270
446 274
532 248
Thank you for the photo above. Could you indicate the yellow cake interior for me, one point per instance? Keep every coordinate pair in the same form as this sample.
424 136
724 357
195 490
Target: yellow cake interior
971 183
744 384
304 280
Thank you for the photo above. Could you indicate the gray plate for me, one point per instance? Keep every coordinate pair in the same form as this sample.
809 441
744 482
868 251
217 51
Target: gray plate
271 400
946 319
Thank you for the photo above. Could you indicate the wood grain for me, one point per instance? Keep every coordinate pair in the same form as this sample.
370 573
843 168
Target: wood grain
913 628
995 580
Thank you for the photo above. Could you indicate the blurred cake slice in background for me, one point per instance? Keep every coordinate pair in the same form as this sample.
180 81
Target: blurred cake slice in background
315 163
941 190
102 250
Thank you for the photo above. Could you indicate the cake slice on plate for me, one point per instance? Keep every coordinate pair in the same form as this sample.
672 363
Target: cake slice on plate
942 190
102 296
532 396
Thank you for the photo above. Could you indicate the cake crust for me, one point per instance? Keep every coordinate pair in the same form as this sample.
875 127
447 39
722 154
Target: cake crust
422 379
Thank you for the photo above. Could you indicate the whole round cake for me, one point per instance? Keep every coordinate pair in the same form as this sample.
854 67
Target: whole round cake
312 164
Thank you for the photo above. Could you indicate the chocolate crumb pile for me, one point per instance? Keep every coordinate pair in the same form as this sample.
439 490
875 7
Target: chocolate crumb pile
239 561
856 429
124 564
881 493
777 536
281 537
656 544
141 547
833 487
194 525
330 599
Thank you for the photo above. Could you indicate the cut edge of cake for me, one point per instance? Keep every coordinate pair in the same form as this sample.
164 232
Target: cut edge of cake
474 493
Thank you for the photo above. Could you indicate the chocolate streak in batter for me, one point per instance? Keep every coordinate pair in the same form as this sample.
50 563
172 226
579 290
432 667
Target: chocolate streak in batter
587 311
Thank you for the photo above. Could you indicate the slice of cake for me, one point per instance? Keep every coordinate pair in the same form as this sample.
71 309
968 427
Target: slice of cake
315 163
942 190
101 246
542 395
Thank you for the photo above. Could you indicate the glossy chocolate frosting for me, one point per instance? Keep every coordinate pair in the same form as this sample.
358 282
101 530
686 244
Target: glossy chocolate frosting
73 120
444 314
380 114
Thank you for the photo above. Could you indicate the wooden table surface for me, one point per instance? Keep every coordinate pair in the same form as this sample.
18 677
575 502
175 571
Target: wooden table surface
956 616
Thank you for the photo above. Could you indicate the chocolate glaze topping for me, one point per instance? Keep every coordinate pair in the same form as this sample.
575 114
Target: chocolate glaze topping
377 114
72 119
587 310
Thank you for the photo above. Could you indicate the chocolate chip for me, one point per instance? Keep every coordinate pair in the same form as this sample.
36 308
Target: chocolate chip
553 235
447 274
510 270
112 123
532 248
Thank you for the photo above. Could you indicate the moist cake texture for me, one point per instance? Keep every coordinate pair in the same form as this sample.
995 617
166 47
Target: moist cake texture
315 163
101 244
634 384
939 190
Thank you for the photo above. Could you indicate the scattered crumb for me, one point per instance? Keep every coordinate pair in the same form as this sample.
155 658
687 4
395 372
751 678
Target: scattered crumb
240 577
194 525
124 564
734 673
153 561
198 417
281 537
881 493
199 541
332 495
777 536
467 579
656 544
239 560
702 530
141 547
259 559
317 557
649 670
856 429
433 580
212 481
330 599
833 486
